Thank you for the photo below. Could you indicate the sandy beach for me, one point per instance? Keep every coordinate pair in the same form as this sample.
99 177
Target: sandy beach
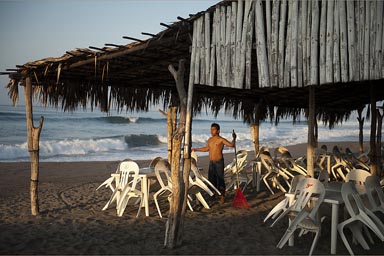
72 222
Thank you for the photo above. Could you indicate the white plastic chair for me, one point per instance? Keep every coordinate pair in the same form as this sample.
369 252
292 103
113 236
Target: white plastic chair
283 205
358 176
195 188
305 217
162 172
359 214
237 173
341 167
273 173
108 183
280 152
154 161
199 178
130 172
375 193
357 163
289 163
121 179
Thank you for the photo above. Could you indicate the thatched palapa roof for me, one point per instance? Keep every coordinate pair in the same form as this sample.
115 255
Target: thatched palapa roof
135 76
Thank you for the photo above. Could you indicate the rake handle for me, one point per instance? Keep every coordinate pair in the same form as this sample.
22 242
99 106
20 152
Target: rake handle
237 168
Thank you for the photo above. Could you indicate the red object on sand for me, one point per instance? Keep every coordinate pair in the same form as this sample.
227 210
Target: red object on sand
239 201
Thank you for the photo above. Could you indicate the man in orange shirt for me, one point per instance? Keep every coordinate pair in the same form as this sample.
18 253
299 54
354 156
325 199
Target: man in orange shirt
215 147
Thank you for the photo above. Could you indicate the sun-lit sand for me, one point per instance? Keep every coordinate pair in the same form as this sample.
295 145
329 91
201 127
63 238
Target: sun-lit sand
72 222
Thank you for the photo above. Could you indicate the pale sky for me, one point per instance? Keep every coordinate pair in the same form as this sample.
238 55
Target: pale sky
35 29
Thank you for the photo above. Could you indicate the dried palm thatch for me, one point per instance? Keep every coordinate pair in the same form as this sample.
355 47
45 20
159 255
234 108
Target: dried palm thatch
135 76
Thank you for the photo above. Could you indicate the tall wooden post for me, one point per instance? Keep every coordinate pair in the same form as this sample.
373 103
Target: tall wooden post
378 140
372 155
255 129
33 134
175 222
171 128
311 122
360 119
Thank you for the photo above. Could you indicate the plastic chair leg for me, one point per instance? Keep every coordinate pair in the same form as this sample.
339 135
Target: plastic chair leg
201 199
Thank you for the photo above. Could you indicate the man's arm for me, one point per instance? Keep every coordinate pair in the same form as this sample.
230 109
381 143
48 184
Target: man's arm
203 149
230 144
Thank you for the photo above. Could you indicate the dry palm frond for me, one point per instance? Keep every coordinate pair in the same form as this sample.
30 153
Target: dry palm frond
13 91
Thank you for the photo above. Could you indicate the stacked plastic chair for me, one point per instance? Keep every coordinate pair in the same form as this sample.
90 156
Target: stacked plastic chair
237 174
305 218
375 194
126 187
358 215
273 173
283 205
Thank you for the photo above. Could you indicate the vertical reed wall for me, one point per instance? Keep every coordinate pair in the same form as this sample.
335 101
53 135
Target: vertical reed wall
297 43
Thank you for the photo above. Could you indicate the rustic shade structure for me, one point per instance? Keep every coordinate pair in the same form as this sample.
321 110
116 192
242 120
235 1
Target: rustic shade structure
248 57
274 65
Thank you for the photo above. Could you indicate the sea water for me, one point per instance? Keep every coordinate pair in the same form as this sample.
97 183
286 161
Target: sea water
86 135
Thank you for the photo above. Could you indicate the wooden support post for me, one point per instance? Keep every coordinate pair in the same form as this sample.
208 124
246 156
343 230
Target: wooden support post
360 119
255 124
372 155
171 128
33 134
311 122
378 140
175 222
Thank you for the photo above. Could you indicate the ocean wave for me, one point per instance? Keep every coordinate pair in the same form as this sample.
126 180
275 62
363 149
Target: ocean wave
127 120
8 116
142 140
63 148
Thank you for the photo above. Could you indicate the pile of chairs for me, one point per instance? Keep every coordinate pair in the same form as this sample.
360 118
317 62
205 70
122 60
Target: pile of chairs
278 172
235 173
125 185
363 197
198 184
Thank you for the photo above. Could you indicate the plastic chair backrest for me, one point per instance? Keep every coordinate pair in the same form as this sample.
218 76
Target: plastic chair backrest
374 192
194 155
295 181
162 172
267 161
306 189
195 171
154 161
241 157
324 147
358 176
262 150
129 172
281 151
352 199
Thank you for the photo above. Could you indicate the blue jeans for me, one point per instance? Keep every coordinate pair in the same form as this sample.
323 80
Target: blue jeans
216 174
